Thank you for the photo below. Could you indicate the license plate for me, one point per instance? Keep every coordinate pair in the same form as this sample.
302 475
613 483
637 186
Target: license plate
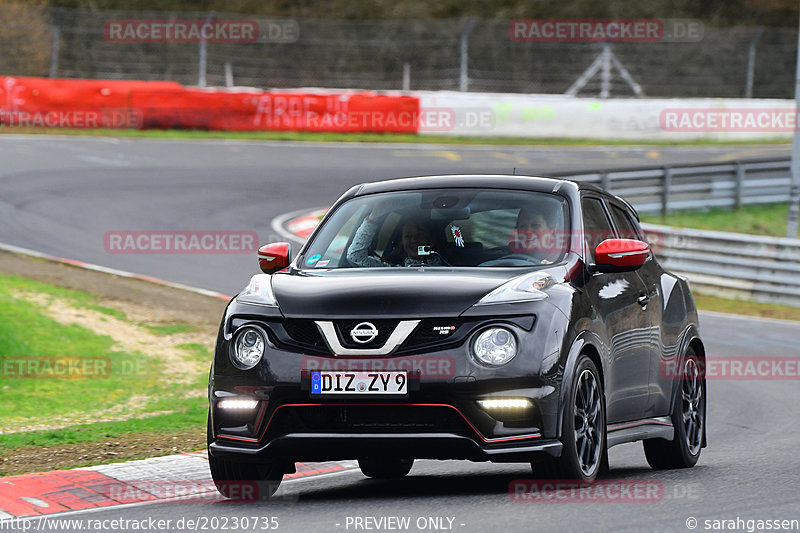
358 383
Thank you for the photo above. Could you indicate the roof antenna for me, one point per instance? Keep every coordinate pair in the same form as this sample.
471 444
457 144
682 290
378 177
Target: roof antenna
515 171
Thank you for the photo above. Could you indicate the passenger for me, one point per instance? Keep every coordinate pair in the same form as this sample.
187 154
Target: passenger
414 234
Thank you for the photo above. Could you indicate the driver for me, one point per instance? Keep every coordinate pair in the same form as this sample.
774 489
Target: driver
534 236
415 234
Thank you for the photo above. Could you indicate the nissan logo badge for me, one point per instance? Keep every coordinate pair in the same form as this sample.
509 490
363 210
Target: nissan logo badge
364 332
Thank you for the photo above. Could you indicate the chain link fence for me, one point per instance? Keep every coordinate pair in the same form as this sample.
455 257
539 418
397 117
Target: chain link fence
450 54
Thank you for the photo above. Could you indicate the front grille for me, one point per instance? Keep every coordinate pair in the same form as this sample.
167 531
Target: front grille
367 419
304 332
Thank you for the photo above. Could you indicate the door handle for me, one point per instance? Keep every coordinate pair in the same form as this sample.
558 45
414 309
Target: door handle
643 300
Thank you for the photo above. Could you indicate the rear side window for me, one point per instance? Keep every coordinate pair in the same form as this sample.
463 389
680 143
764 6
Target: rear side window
596 226
625 226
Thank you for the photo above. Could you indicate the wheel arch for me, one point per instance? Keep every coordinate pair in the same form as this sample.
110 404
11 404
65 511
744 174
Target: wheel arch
692 340
584 345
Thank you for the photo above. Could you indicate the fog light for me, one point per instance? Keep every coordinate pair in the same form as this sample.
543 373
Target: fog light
237 404
505 403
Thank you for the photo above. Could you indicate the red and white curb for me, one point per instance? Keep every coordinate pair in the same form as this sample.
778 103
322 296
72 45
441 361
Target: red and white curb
183 477
304 226
298 225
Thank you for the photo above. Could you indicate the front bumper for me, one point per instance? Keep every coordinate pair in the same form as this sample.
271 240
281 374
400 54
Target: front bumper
418 427
439 418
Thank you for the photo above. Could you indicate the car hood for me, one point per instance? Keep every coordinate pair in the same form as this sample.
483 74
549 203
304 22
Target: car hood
385 293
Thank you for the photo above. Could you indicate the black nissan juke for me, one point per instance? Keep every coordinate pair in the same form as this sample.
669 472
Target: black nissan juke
481 317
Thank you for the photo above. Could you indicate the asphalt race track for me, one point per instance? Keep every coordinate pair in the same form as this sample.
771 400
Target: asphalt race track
60 195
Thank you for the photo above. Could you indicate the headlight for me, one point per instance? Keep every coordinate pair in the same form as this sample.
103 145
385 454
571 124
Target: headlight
248 347
258 291
495 346
526 288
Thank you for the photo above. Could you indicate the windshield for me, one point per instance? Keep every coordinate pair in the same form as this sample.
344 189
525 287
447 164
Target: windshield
443 227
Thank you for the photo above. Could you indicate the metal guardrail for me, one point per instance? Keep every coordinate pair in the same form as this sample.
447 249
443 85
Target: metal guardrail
763 269
665 188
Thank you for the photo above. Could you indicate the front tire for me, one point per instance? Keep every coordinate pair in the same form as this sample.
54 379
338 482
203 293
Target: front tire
243 481
385 468
583 430
688 419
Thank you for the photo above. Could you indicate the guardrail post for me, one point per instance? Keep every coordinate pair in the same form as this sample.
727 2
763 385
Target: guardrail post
605 181
665 191
739 185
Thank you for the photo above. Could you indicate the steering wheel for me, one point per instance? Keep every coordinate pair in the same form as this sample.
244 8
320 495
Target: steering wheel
511 260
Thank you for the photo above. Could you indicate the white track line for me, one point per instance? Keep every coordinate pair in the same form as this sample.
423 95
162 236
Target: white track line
112 271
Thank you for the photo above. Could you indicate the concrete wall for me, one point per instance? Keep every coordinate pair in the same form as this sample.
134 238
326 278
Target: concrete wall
631 119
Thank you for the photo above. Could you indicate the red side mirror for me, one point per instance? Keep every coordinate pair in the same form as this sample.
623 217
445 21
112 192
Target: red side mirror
620 255
274 256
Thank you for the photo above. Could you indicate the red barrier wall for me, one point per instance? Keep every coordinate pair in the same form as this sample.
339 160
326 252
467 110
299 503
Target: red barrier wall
142 105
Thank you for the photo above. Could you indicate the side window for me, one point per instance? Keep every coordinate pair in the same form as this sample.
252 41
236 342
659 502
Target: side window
596 226
624 224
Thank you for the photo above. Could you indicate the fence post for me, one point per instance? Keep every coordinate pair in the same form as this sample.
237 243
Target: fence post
406 77
740 175
203 53
463 83
605 78
228 75
666 191
793 214
751 63
56 44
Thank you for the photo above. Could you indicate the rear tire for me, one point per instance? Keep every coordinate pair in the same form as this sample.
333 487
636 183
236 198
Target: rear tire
385 468
688 419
